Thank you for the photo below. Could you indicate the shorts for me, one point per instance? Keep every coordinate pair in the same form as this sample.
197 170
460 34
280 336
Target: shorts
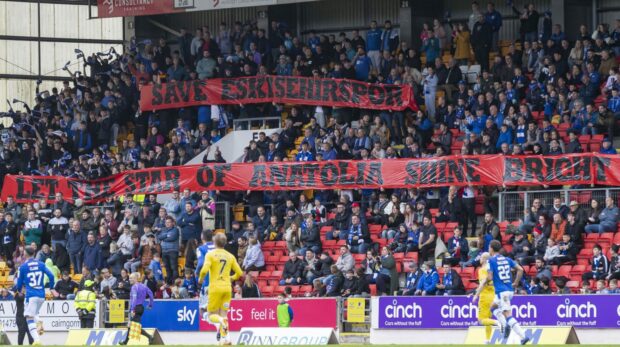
138 311
33 306
484 306
219 299
203 300
502 300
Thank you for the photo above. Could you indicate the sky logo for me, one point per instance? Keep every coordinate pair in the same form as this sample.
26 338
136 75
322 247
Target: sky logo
397 310
186 315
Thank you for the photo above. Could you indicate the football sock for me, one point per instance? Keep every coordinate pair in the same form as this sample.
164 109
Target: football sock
32 327
500 317
516 327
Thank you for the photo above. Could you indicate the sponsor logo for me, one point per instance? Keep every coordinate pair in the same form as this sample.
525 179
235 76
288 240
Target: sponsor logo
101 337
568 310
534 334
525 311
396 310
186 315
292 337
458 311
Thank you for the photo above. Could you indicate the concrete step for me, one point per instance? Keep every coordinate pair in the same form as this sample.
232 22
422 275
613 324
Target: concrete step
355 338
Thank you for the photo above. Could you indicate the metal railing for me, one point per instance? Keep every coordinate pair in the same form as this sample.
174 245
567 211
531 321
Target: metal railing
512 205
222 215
257 123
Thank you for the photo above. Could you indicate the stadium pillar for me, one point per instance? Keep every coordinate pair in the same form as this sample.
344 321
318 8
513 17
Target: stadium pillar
262 18
129 28
557 10
405 21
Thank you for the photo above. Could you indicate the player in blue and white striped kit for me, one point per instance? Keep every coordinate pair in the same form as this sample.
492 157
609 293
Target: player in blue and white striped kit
31 274
500 272
202 250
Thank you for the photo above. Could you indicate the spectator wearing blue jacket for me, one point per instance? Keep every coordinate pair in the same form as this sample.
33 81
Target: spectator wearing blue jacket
458 248
557 35
76 241
607 147
373 44
494 18
363 65
190 223
431 46
82 139
608 219
613 104
304 154
430 278
389 38
479 122
189 283
411 280
155 266
505 136
177 72
169 238
92 253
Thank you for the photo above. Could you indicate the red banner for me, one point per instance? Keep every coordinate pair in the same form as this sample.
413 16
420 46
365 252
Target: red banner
281 89
129 8
261 313
489 170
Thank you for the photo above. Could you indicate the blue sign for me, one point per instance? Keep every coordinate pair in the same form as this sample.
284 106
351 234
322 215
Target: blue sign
172 315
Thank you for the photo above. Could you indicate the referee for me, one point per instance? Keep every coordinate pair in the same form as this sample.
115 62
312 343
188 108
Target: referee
137 297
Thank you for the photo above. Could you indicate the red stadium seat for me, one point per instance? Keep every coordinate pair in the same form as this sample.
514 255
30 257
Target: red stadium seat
573 286
616 239
264 275
564 270
359 257
267 291
605 240
578 270
275 275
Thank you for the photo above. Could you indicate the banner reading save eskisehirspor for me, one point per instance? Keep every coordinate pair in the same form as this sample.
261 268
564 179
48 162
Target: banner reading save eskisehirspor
280 89
443 312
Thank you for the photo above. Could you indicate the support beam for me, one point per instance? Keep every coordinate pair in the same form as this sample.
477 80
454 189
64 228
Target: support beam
57 39
405 22
163 27
557 11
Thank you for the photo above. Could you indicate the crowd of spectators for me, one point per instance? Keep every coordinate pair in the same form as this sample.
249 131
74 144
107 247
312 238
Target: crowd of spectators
537 95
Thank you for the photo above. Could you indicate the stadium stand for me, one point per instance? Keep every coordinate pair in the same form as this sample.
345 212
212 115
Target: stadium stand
545 94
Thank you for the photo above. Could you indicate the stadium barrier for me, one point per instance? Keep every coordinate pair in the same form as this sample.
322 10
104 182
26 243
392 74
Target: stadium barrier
538 336
442 319
183 315
287 336
107 337
56 315
4 339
